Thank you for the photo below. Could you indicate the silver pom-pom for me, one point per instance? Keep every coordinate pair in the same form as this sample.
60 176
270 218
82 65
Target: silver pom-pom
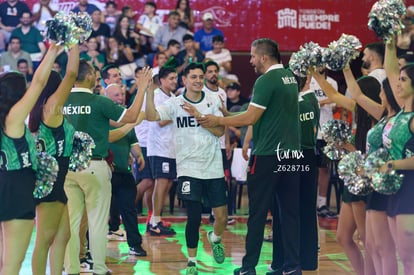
83 23
68 29
340 52
309 55
351 171
387 183
336 133
385 18
46 175
83 144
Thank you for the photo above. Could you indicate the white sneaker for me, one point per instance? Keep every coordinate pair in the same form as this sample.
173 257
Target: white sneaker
119 235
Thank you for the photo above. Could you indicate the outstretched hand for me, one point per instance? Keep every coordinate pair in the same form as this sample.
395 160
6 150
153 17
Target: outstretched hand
145 79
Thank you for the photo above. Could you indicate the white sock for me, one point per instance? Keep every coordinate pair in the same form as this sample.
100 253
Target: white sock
215 238
192 259
321 201
155 220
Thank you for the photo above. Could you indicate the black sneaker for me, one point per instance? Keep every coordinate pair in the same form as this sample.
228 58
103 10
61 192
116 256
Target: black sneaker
324 212
241 271
85 266
191 269
160 230
137 251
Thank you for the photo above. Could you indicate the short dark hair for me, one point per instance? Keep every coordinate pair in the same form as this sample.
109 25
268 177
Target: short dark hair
187 37
111 3
173 13
408 57
150 3
125 9
211 63
104 71
138 68
193 66
85 68
218 38
378 48
173 42
22 60
15 38
267 46
165 71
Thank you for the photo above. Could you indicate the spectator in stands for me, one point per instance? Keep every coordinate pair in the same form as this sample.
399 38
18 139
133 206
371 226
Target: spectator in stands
405 38
406 58
148 24
93 54
167 32
10 13
204 37
23 67
30 38
43 11
186 14
221 56
100 30
110 15
234 98
84 6
130 13
189 54
161 59
125 36
117 53
8 60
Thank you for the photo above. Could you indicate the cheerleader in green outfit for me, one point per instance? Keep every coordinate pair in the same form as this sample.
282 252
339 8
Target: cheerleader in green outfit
352 215
399 140
18 162
54 136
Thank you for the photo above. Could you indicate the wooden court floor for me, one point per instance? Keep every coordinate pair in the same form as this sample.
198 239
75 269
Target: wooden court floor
167 255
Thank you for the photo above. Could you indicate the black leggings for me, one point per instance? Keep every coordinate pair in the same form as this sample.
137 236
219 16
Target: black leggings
194 209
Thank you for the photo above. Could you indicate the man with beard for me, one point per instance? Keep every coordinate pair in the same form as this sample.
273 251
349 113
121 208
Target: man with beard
30 38
10 13
211 85
373 60
273 180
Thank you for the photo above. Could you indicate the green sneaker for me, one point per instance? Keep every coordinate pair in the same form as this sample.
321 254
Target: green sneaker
191 269
217 248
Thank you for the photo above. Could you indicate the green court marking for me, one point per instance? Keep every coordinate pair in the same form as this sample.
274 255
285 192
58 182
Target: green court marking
338 259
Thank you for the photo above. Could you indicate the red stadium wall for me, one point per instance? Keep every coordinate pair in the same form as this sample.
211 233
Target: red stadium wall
290 23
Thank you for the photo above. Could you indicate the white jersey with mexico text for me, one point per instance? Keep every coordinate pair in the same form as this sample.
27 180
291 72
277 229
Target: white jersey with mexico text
160 139
326 110
223 97
197 150
141 130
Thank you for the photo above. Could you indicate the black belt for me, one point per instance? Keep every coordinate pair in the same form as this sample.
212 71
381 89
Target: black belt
97 158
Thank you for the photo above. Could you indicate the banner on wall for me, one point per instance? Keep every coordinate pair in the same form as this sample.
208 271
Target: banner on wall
290 23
